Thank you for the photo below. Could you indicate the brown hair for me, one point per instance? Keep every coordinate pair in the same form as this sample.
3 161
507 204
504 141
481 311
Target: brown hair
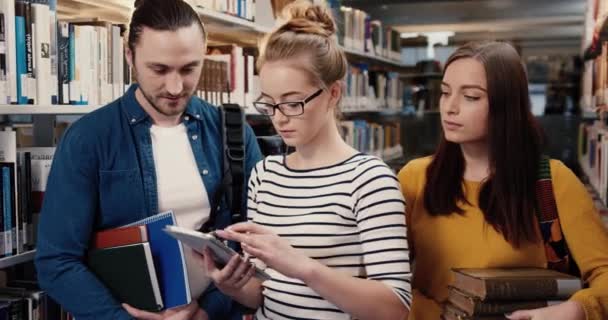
507 197
161 15
309 32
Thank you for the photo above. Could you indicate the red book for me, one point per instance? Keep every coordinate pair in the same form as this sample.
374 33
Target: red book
119 237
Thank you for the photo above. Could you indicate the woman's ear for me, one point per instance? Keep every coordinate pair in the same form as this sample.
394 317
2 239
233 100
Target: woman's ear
335 94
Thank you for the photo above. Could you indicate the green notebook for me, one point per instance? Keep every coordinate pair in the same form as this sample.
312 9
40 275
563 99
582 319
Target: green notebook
129 273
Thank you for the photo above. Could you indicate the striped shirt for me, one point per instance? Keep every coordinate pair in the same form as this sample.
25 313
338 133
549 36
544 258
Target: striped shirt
349 216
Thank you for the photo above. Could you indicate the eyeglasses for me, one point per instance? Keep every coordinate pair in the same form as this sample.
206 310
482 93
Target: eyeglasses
288 109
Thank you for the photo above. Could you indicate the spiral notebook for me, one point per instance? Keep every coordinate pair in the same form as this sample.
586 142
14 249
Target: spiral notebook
169 259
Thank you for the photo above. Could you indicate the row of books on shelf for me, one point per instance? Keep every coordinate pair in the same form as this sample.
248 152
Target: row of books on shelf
229 76
489 294
24 300
593 159
44 61
381 140
367 89
245 9
357 31
24 172
593 156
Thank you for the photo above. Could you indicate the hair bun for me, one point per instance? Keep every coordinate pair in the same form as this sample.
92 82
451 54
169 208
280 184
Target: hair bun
305 17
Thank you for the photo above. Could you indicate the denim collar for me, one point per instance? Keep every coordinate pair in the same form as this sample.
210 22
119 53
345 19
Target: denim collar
136 114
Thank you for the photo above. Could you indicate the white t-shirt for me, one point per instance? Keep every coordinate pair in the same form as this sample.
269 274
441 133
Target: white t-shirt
181 189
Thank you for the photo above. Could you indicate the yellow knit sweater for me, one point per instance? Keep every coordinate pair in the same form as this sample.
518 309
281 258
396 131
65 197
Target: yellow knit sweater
466 241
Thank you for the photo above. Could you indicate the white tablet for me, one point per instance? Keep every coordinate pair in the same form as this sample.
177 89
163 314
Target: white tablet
198 241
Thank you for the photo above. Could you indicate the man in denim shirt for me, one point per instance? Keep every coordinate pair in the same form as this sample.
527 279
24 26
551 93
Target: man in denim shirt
157 148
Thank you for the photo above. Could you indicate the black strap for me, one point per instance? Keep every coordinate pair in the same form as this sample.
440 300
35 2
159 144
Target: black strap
232 121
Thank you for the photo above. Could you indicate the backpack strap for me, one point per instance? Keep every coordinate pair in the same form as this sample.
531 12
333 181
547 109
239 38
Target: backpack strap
232 119
556 248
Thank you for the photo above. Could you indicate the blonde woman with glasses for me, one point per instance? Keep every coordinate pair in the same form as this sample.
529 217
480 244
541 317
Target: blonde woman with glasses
326 221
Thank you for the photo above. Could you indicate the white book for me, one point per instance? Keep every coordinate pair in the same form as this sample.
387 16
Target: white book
116 62
8 8
42 53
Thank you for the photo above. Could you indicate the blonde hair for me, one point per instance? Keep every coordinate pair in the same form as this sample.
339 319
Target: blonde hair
308 32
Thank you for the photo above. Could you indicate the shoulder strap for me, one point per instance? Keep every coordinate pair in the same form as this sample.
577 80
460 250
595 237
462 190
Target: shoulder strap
232 119
556 248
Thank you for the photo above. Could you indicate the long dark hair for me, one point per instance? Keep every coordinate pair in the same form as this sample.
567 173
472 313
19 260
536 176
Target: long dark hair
161 15
507 197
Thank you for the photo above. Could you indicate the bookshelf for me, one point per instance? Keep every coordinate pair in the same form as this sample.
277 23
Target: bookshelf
10 261
46 109
372 58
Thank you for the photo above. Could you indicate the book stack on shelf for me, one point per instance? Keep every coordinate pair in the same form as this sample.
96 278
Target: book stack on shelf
593 159
594 77
381 140
59 62
359 33
23 299
488 294
371 90
23 182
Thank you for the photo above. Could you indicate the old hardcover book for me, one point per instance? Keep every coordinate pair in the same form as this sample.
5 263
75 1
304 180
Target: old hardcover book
474 306
450 312
516 284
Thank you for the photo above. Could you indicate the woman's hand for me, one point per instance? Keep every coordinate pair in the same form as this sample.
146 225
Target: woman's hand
569 310
233 276
271 249
190 311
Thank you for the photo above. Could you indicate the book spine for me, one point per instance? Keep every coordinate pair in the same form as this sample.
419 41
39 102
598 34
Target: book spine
515 289
63 57
8 219
497 308
29 54
21 61
27 182
2 222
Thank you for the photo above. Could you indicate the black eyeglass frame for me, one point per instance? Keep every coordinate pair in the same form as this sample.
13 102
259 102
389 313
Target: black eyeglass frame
263 106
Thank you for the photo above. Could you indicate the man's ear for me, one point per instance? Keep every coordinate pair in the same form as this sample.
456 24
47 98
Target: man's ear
129 56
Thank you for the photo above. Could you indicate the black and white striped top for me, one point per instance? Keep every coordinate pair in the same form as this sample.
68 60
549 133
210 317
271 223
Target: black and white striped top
349 216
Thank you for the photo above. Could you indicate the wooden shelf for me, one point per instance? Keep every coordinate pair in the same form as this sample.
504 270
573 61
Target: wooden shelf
17 259
47 109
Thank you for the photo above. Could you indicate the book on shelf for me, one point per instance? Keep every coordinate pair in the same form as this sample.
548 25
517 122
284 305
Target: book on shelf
515 284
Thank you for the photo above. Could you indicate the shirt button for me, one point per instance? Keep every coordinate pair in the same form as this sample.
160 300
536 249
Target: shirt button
205 172
133 120
186 118
198 116
194 137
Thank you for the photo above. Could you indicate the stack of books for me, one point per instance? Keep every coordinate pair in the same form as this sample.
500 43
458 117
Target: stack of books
142 265
488 294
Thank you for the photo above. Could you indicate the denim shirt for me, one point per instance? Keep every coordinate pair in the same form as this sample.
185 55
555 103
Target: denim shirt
103 176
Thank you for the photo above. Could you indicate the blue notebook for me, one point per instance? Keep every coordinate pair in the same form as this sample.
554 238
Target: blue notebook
169 260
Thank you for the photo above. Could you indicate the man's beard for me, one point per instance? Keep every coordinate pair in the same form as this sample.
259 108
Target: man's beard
169 112
151 100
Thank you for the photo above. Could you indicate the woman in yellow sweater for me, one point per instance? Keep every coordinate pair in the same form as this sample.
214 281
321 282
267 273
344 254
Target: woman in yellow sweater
472 204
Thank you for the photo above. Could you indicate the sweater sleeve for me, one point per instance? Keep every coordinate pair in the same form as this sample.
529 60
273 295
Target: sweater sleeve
587 240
